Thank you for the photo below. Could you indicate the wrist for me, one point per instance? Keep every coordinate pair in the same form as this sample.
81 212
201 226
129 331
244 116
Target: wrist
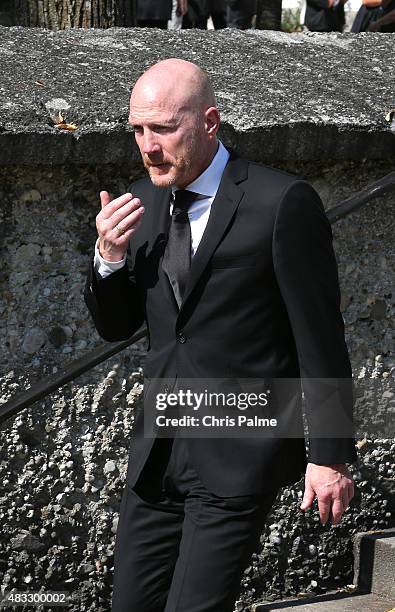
110 255
341 468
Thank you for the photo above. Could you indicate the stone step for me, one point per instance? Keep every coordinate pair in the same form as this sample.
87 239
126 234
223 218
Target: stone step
374 580
374 562
330 602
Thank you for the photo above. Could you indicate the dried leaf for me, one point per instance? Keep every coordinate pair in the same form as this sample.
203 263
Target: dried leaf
62 125
39 82
59 119
66 126
389 117
361 443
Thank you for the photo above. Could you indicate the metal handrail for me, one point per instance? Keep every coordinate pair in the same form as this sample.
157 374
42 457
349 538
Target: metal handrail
72 371
355 202
87 362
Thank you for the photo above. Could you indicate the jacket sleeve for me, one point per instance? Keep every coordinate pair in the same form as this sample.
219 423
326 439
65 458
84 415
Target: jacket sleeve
114 303
306 272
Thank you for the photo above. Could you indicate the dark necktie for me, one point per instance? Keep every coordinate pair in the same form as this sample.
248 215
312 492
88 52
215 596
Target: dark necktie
177 257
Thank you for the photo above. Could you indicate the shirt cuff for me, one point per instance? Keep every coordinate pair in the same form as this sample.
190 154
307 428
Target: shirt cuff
102 266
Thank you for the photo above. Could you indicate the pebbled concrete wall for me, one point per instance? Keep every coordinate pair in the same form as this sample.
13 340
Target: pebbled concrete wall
63 461
282 96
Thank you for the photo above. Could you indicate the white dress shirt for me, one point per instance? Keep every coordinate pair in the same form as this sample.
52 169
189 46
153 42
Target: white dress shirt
206 185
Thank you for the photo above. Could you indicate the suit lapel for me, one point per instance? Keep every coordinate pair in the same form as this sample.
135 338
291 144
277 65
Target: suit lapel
223 209
160 213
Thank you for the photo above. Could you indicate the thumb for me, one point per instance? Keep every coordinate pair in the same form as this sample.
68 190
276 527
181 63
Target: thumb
308 497
104 198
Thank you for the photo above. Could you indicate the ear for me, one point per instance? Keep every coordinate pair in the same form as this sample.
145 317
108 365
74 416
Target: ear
211 121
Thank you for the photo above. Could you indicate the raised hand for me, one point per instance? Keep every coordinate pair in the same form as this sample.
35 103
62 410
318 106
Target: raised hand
116 223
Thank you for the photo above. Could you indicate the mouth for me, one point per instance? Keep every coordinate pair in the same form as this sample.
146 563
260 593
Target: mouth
162 165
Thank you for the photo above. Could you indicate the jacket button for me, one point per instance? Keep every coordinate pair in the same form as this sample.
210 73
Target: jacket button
181 338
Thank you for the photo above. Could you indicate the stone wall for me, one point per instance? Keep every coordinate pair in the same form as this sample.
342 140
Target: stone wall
63 460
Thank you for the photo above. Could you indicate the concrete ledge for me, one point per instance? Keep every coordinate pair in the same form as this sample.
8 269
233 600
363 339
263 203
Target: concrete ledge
374 565
331 602
282 96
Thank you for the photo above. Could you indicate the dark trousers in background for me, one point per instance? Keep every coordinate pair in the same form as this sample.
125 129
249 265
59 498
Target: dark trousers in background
240 14
200 23
180 548
152 23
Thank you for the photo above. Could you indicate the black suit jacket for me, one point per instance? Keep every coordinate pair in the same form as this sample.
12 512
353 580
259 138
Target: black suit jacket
154 9
320 18
262 301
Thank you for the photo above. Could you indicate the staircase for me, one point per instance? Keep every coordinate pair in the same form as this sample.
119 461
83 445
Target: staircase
374 581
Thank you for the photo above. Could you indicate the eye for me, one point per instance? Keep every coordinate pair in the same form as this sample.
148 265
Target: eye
162 129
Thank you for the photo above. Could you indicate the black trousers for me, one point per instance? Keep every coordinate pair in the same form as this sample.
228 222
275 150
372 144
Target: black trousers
178 547
152 23
241 13
218 18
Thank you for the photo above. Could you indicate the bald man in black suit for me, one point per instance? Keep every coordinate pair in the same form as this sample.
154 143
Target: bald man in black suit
231 266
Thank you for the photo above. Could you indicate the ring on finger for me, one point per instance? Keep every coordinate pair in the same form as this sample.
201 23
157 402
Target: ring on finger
119 230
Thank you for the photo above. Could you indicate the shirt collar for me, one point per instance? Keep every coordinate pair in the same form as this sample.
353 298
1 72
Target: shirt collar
207 183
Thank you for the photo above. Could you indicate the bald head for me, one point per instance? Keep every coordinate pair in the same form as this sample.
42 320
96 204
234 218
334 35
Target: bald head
180 81
175 119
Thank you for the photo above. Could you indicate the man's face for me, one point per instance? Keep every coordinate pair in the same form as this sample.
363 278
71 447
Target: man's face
170 136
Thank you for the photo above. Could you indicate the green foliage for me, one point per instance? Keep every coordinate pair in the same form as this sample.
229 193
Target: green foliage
290 20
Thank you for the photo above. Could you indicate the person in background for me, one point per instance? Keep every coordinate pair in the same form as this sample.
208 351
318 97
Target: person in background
240 13
325 15
156 13
217 10
375 16
199 12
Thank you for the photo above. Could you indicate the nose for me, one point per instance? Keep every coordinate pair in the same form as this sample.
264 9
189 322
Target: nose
150 144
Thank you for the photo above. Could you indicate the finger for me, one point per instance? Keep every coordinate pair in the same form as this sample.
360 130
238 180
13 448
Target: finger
308 497
345 500
122 240
324 506
104 198
115 204
337 511
120 216
129 221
